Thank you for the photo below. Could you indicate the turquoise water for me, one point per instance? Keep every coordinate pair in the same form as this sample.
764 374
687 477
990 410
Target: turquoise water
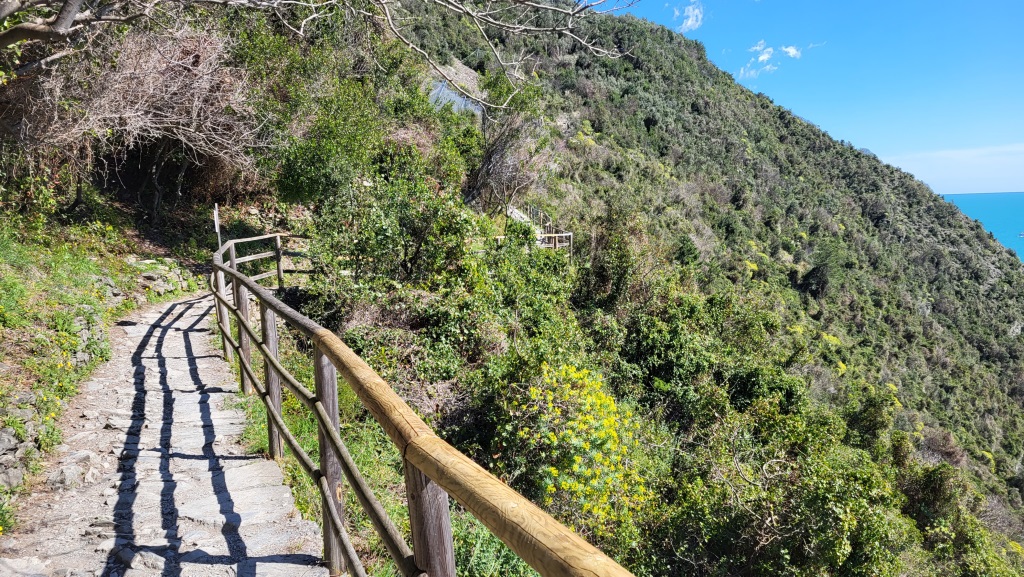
1001 213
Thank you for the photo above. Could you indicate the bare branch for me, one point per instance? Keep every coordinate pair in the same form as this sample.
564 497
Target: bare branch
29 32
43 63
75 19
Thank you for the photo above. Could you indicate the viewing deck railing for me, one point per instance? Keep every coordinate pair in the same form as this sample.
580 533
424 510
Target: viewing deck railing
433 468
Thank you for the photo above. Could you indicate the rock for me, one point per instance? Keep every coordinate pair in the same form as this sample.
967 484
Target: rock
91 476
24 567
81 358
66 477
82 458
161 287
25 449
151 276
25 398
24 415
139 559
4 367
125 555
148 559
8 441
11 476
194 537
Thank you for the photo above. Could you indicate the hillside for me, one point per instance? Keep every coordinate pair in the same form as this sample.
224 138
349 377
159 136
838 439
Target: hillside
918 294
769 353
877 283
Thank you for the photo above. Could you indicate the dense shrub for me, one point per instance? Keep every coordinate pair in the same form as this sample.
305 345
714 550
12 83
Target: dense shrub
565 441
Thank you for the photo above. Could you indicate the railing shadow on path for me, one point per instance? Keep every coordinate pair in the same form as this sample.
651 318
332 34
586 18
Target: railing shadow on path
125 515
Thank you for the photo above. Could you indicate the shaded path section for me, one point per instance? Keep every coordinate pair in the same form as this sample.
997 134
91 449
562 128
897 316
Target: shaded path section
151 480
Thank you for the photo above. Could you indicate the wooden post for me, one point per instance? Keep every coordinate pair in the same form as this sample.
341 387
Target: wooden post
430 522
223 316
326 380
242 304
268 322
280 265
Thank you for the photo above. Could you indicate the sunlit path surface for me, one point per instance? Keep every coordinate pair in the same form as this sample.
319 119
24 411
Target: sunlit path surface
151 480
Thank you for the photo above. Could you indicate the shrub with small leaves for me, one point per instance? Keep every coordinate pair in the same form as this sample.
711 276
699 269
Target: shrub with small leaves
573 448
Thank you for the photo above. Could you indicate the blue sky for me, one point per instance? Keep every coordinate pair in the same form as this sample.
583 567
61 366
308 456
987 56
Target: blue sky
936 87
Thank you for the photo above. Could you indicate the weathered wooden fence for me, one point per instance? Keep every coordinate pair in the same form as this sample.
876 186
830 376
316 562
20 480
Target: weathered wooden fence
434 470
548 235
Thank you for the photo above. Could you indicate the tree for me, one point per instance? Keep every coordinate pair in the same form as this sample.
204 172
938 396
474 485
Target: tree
166 101
511 165
62 27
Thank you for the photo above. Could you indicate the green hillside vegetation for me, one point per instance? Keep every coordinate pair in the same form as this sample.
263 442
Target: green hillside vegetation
769 353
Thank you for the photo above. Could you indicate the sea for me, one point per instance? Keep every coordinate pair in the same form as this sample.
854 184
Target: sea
1001 213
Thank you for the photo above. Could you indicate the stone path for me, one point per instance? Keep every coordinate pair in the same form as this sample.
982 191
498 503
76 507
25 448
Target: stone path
151 480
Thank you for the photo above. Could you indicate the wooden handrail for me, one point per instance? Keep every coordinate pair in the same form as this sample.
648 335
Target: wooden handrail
385 528
259 256
433 467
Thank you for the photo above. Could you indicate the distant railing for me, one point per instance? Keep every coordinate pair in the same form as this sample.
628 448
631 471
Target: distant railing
433 468
555 241
548 235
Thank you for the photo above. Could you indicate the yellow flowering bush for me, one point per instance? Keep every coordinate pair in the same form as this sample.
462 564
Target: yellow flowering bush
578 447
831 340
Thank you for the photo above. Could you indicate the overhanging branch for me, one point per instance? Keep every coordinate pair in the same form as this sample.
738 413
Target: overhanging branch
29 31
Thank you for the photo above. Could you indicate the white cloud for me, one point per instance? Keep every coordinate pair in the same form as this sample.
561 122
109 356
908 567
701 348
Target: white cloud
675 13
760 62
752 70
816 45
791 51
694 14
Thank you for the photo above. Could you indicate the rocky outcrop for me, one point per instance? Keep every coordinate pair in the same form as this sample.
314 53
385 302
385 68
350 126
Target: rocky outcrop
161 276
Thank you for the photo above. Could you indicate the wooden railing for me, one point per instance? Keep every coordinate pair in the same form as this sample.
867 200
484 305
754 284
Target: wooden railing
556 240
433 468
